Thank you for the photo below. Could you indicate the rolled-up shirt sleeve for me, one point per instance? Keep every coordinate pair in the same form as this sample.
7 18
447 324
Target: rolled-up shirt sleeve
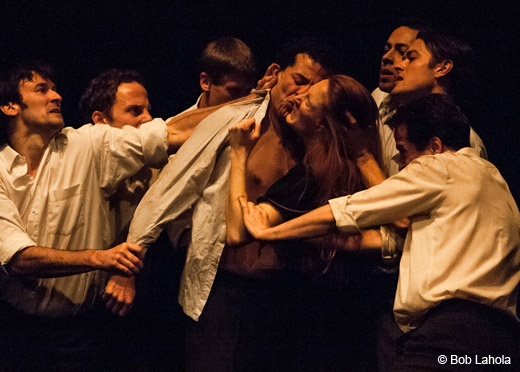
14 237
415 190
120 153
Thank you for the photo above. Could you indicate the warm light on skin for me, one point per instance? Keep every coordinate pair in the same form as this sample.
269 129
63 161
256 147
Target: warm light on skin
306 114
131 107
395 48
416 75
40 105
295 80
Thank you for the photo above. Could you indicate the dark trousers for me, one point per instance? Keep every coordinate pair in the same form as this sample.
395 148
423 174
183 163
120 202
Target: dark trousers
466 334
237 330
85 342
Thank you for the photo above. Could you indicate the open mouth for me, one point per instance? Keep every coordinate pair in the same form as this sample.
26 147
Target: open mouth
56 111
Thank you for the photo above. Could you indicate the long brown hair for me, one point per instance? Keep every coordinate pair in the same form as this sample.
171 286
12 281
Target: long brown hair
328 155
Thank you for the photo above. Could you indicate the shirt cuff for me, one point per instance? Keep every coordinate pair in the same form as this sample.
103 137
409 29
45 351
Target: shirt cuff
12 245
345 222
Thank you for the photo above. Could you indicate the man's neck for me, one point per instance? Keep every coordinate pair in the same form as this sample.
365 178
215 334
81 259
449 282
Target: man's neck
31 146
204 100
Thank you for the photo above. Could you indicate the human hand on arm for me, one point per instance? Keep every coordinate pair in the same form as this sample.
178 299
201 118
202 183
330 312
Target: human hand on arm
47 262
313 224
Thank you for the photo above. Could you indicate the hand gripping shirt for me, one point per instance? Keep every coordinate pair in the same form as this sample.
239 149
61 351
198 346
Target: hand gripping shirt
464 237
194 186
65 206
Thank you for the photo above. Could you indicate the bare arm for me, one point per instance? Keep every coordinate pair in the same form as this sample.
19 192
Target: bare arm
316 223
181 127
46 262
243 136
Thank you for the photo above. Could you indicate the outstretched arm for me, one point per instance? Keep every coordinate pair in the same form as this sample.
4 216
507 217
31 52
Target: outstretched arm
181 127
313 224
46 262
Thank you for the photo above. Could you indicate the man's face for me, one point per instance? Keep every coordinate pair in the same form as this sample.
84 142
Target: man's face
394 50
131 106
407 150
293 81
230 88
416 75
41 104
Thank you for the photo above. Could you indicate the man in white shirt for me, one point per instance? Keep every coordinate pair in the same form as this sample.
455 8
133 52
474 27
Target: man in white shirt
460 269
54 187
396 85
194 184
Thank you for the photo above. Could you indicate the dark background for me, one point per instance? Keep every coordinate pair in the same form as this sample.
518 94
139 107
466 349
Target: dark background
163 40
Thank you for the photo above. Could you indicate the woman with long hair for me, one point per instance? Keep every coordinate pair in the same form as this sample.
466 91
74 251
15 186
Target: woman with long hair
333 124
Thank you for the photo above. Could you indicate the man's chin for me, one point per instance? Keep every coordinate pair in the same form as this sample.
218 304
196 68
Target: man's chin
386 86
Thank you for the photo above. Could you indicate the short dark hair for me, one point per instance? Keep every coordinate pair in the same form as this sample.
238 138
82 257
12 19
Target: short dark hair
433 115
100 94
314 47
446 47
10 88
228 56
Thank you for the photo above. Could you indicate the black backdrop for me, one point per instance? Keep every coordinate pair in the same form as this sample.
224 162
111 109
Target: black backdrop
163 40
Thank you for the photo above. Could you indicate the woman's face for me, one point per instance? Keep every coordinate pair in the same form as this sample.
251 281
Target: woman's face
306 114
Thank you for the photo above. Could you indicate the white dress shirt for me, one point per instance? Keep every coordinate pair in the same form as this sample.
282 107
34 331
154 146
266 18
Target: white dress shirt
464 237
389 151
194 186
65 207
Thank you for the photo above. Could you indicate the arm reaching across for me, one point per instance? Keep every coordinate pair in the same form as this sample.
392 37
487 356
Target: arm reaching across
313 224
46 262
181 127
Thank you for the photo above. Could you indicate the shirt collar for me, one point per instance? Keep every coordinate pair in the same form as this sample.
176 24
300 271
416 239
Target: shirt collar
468 151
9 156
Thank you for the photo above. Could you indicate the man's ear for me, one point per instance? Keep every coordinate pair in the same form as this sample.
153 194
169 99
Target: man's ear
273 69
443 68
205 82
11 109
99 118
435 145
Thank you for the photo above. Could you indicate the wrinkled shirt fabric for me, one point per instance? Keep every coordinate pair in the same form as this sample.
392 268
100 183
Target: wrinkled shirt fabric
193 186
386 134
464 237
65 206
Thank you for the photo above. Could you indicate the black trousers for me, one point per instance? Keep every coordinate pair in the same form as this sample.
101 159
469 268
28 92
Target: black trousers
86 342
460 335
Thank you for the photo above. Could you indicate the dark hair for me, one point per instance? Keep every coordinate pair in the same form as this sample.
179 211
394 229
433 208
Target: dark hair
10 88
445 47
228 56
100 94
315 48
433 115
